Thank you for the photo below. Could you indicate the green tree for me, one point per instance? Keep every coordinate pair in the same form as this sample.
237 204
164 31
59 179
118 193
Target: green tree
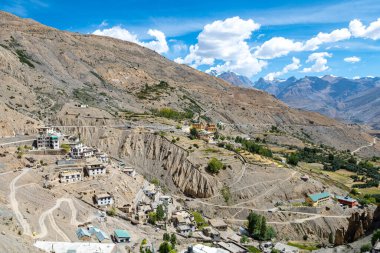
160 213
365 248
292 159
214 165
166 237
263 228
194 133
375 237
270 233
152 218
173 240
165 247
253 220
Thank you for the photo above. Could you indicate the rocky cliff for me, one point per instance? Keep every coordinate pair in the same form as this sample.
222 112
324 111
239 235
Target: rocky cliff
359 224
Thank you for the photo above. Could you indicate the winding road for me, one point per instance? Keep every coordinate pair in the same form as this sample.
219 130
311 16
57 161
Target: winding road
365 146
49 214
14 204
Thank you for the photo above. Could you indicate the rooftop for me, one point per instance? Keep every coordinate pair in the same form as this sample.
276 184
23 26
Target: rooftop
217 223
78 247
122 233
348 199
317 196
102 195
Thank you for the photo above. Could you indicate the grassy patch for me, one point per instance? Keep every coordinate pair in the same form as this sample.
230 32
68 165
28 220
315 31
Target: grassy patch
198 218
170 113
253 249
24 58
153 92
83 96
303 246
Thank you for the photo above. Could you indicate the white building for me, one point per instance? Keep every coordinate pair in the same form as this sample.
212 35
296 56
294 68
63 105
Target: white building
103 199
48 138
79 151
70 176
129 171
95 169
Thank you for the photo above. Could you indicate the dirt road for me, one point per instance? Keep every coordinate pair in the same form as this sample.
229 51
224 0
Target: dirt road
14 204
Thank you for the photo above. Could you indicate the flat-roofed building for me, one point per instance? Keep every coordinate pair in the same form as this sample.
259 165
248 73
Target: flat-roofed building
218 224
70 176
347 201
95 169
103 199
318 198
122 235
47 138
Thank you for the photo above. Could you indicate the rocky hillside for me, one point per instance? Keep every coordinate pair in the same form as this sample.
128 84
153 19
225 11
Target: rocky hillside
42 69
353 100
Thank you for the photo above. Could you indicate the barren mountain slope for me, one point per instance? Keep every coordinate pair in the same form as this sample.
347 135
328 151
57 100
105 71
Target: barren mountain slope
42 69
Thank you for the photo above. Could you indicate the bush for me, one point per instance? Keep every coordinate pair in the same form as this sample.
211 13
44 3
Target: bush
365 248
111 212
198 218
214 166
66 148
375 237
292 159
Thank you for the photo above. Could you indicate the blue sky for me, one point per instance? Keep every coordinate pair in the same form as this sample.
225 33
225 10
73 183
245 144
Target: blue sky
271 39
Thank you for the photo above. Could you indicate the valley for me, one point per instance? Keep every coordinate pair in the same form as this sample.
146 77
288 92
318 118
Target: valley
102 137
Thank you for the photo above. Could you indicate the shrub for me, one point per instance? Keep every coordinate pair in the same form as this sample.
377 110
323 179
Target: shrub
198 218
292 159
214 166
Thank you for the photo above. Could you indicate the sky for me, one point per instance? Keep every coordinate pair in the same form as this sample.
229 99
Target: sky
270 39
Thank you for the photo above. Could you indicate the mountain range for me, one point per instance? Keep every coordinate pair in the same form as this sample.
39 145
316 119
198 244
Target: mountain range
42 69
351 100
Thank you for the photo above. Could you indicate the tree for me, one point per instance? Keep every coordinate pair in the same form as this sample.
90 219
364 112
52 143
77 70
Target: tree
331 238
214 165
253 220
194 132
160 212
292 159
173 240
270 233
165 247
166 237
152 218
263 228
365 248
244 239
375 237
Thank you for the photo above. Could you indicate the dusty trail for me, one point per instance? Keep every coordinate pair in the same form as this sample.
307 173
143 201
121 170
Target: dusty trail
14 204
365 146
49 214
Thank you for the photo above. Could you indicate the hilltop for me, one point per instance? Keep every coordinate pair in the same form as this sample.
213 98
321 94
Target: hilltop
44 68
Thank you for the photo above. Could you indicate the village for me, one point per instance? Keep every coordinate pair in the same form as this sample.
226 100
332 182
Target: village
80 170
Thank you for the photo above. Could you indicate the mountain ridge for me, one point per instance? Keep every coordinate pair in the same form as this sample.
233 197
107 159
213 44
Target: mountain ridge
45 68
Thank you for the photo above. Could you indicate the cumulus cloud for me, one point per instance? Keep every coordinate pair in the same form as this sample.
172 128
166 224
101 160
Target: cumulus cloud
319 60
280 46
225 41
358 29
352 59
159 45
290 67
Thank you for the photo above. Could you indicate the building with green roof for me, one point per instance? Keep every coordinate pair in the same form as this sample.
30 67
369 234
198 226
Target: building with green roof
122 235
317 199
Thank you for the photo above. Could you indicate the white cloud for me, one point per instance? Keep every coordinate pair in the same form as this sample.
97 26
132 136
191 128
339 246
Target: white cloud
319 60
159 45
370 32
277 47
336 35
356 77
352 59
226 41
290 67
280 46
